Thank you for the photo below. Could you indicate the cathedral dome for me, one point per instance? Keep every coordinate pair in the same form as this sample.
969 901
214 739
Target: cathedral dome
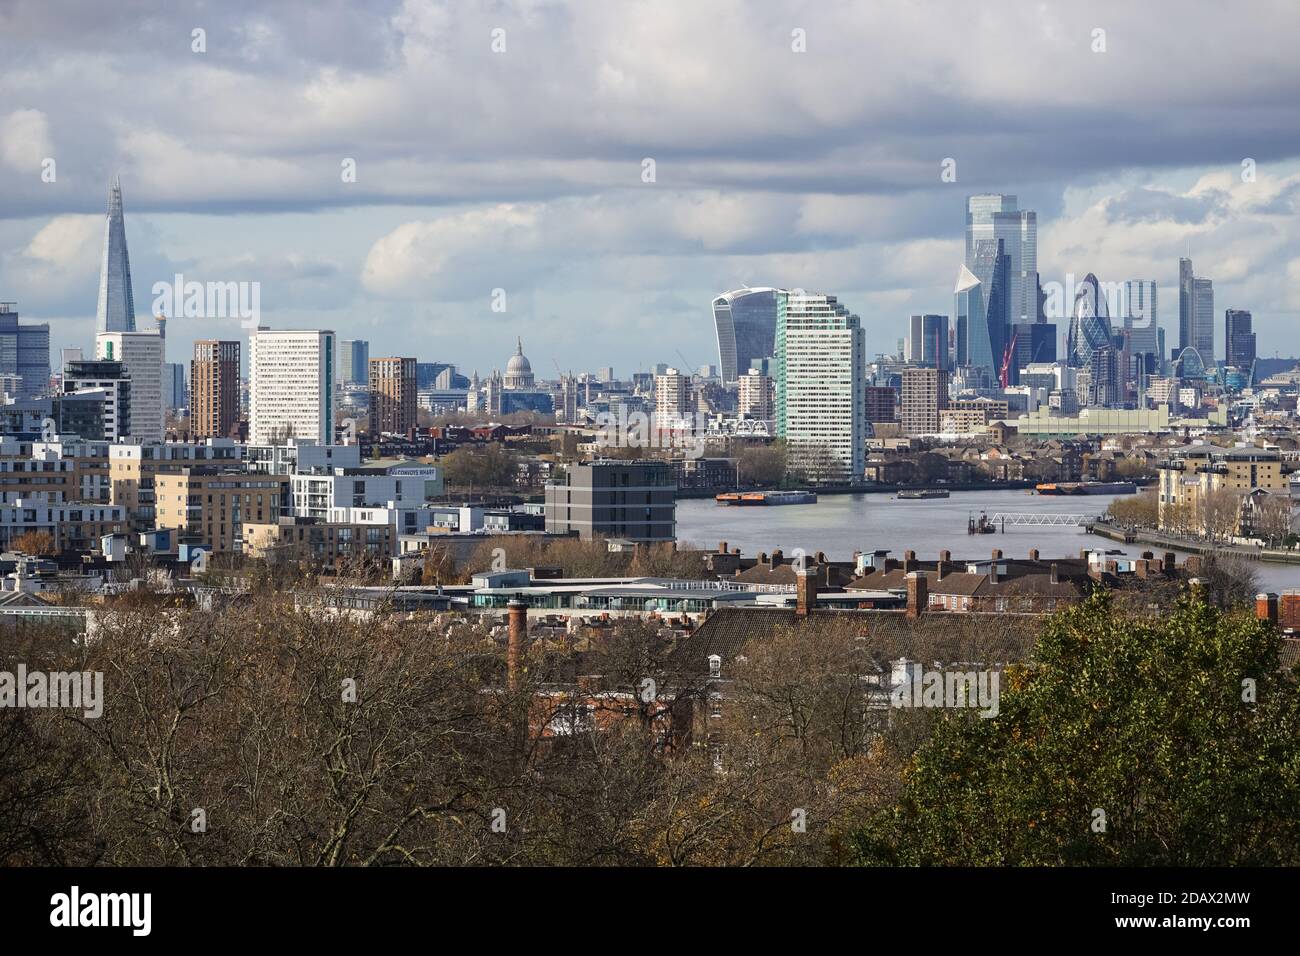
519 371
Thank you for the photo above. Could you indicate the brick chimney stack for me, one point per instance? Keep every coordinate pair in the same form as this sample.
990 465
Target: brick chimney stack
909 562
918 594
805 586
517 612
1171 562
1055 574
944 566
1266 607
994 575
777 557
1033 554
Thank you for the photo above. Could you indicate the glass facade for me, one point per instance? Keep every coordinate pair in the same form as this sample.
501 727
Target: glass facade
116 309
746 322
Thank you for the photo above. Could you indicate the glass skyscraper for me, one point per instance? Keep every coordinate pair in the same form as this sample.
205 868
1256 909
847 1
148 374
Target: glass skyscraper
1089 325
116 309
995 216
746 325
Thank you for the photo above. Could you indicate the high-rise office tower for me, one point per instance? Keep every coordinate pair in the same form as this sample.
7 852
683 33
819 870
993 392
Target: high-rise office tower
924 396
175 394
983 307
214 388
927 342
1203 319
392 395
1238 339
24 353
993 217
745 321
354 362
291 385
1195 312
143 355
821 374
116 309
1089 324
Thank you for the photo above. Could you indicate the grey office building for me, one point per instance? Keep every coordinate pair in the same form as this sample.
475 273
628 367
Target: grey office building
636 500
927 342
353 365
1238 338
24 352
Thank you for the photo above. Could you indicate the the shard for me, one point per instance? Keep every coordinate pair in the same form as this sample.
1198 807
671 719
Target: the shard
116 309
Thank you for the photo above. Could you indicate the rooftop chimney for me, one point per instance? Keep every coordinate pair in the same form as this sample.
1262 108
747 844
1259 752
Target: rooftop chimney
776 558
805 587
1266 607
1171 562
909 562
1056 574
918 594
722 547
1033 554
943 567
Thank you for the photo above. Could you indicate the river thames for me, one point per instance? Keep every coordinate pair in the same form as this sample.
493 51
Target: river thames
842 524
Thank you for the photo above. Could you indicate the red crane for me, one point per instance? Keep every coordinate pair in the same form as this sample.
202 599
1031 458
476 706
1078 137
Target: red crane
1005 376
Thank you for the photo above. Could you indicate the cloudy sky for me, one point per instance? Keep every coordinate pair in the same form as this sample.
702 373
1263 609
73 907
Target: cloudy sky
503 145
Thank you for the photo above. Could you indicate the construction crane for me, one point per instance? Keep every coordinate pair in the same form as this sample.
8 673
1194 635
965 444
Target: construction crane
1005 376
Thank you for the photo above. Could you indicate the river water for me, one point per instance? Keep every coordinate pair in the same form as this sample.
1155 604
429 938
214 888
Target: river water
842 524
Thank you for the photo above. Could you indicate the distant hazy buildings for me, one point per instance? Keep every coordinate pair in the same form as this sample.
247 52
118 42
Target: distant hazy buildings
214 388
392 395
116 309
24 353
745 321
291 385
354 362
821 374
142 355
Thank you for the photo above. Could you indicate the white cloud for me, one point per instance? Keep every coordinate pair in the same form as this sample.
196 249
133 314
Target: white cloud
25 141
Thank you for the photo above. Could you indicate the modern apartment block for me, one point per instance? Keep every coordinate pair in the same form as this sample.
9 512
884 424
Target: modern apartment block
291 386
112 379
134 468
213 502
924 396
142 355
324 541
1194 472
636 500
73 525
392 395
214 388
821 375
672 396
756 396
408 485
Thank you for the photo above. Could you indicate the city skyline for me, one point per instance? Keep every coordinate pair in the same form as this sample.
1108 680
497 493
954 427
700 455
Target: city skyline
417 240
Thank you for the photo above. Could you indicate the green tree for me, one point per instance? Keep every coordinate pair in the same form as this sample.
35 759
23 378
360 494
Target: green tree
1139 719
